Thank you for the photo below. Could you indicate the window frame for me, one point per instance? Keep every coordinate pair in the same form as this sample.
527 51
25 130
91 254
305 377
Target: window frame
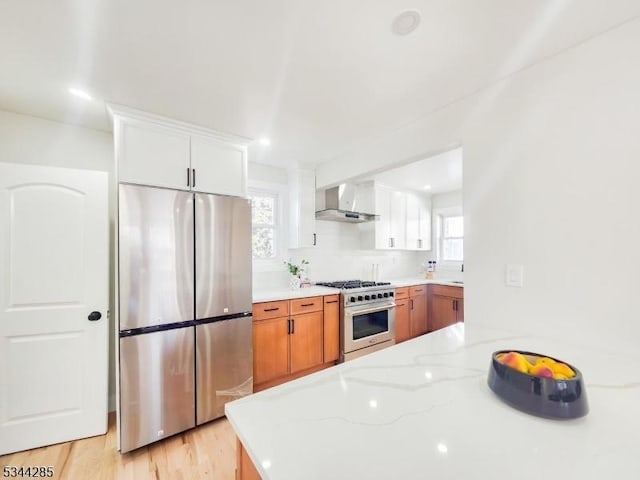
278 192
440 215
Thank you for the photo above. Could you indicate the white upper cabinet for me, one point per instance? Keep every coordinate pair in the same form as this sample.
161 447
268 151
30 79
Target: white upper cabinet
152 155
218 167
389 231
404 221
418 222
302 203
153 150
398 220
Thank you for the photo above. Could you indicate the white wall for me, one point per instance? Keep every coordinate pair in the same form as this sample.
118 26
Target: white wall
551 177
31 140
337 255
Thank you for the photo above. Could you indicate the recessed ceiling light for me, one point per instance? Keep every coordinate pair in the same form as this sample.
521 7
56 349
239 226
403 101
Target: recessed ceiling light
80 93
265 142
427 187
405 22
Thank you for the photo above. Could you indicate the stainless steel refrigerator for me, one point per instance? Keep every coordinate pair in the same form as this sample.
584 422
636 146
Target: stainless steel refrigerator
184 262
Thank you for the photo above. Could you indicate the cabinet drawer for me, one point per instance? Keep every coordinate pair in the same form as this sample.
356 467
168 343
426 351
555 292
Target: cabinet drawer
305 305
329 299
264 310
417 290
402 293
447 291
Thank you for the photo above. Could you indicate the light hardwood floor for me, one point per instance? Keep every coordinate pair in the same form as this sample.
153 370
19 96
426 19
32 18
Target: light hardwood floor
208 451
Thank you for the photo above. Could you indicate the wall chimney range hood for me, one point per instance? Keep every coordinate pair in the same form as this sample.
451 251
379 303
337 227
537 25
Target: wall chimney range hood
347 203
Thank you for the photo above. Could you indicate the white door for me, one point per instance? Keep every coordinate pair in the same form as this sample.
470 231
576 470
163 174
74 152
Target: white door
54 257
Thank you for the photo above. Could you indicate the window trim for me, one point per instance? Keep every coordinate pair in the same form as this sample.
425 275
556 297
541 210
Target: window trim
279 191
440 215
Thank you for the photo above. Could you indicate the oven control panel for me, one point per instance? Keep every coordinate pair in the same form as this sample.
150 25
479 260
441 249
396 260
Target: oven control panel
368 296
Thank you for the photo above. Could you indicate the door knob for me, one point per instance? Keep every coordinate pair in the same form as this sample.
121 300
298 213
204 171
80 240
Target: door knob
94 316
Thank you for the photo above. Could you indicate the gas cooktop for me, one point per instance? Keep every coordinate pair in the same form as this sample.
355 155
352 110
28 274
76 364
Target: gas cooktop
349 284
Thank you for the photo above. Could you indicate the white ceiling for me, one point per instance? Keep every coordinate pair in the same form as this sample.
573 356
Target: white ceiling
442 173
318 77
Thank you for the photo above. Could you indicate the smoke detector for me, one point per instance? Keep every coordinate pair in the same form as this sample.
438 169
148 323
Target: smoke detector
405 22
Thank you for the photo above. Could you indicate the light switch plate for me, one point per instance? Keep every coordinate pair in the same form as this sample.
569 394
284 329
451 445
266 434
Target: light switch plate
514 275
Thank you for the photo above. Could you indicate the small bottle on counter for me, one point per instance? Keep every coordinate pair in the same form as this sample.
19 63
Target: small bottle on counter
430 269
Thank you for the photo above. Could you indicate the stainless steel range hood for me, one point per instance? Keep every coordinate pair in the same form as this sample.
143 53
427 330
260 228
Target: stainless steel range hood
347 203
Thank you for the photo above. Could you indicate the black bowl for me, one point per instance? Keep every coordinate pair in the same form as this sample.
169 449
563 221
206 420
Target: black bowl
541 396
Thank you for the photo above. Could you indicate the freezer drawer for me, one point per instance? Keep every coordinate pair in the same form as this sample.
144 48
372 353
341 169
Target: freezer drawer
157 396
224 365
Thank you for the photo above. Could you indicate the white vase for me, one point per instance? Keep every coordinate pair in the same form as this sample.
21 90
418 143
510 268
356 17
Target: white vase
294 282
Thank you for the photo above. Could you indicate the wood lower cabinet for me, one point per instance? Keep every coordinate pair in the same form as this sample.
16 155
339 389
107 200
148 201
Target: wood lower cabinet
305 341
411 312
403 325
331 319
293 337
418 310
447 306
270 349
245 470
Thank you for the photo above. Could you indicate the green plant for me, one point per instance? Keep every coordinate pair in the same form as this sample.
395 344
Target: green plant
295 269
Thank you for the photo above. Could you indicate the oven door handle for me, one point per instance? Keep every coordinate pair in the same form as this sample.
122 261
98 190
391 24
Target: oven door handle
372 310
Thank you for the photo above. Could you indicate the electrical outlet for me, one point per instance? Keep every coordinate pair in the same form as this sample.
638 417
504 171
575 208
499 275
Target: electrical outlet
514 275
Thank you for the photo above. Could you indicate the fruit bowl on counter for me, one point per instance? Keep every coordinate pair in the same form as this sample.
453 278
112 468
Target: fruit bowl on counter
538 384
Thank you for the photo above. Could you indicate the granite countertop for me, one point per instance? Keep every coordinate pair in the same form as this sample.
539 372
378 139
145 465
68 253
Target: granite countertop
285 293
423 409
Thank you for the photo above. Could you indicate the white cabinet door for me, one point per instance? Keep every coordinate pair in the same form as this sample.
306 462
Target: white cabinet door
383 225
302 201
424 231
218 167
55 272
398 229
413 222
152 155
418 223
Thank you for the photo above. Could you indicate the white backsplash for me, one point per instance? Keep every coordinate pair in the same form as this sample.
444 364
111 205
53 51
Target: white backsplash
338 256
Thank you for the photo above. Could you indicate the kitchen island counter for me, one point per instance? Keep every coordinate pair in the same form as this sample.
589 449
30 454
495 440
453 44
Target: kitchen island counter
423 409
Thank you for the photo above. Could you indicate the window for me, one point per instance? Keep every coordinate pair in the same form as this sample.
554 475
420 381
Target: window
264 223
451 233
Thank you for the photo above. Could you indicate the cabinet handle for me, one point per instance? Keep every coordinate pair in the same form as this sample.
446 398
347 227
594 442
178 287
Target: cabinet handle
188 177
314 239
331 301
289 327
293 326
419 243
455 305
271 309
307 305
193 170
411 303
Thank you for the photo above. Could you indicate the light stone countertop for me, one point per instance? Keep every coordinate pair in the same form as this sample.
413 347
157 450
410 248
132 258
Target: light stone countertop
406 282
422 409
274 294
269 295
